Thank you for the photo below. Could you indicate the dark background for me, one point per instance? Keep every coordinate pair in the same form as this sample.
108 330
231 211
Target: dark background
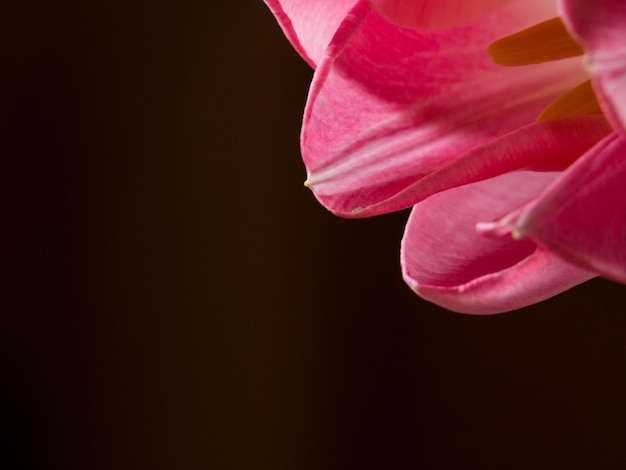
172 297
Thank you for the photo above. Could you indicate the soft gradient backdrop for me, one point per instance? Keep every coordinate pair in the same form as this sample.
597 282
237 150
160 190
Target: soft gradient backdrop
173 298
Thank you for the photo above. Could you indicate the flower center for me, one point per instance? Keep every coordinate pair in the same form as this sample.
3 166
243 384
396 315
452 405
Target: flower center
546 42
543 42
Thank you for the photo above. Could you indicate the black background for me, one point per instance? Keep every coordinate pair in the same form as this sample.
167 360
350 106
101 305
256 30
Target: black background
172 297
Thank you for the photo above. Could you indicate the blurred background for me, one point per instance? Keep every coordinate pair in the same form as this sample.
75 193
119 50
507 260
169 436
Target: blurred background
173 297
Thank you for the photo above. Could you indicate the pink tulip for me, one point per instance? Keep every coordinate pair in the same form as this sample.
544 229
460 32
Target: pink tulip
407 108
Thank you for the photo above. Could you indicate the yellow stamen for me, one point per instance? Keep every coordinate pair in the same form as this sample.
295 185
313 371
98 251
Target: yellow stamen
579 100
543 42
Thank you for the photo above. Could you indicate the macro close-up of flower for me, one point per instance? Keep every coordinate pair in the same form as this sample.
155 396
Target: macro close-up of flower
501 123
284 236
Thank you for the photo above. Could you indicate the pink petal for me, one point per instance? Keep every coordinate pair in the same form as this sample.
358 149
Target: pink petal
600 27
390 105
582 216
310 24
445 260
435 13
542 146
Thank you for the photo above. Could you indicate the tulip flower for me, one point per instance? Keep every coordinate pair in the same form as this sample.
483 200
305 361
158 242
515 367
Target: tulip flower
501 122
